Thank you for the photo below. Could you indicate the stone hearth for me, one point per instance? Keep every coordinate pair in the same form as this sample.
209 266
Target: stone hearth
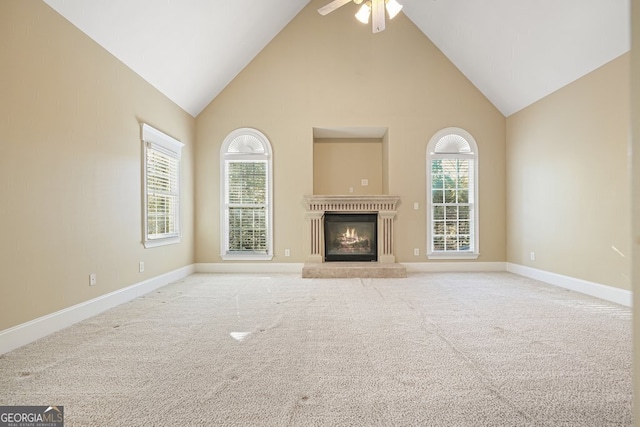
328 270
383 206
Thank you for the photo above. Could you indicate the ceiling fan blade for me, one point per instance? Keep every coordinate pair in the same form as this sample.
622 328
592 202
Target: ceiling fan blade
327 8
377 13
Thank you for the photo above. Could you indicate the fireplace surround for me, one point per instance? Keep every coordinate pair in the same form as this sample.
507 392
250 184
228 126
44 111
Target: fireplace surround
383 206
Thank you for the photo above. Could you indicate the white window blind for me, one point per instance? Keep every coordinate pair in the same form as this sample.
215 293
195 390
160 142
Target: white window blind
452 204
247 206
162 193
162 155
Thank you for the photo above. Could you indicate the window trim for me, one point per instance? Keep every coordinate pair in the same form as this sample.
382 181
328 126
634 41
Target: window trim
224 156
153 139
473 155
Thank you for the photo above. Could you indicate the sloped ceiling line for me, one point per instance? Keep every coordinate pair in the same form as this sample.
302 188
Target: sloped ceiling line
514 52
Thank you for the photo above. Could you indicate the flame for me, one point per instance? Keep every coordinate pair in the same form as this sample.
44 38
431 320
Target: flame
351 235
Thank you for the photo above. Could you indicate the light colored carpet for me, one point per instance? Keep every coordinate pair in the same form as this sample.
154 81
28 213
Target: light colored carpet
485 349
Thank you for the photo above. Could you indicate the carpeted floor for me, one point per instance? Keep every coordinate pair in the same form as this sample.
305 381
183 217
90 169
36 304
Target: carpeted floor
464 349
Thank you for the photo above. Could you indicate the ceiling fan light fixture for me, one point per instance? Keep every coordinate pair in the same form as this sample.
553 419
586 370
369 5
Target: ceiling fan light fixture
374 10
393 8
364 13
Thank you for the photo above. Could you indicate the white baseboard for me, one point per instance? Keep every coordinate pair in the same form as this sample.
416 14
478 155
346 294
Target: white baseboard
440 267
33 330
605 292
250 268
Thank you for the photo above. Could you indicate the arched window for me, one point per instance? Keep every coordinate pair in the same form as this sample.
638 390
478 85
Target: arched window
452 195
246 196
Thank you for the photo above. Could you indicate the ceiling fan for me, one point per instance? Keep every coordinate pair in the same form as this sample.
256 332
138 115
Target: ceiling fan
368 8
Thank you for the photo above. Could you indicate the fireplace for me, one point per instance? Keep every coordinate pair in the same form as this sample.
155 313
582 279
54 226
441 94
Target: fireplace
350 237
382 207
362 226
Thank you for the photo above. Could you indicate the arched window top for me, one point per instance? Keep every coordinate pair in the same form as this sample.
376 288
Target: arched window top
246 141
246 144
452 141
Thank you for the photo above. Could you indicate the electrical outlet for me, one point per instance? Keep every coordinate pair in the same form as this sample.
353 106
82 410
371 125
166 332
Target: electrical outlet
350 189
532 256
364 182
141 266
416 206
287 252
93 279
416 252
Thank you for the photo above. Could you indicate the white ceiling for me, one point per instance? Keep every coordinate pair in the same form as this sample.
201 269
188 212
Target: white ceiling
514 51
517 51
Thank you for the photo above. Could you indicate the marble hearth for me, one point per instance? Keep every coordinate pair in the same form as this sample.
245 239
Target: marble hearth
382 205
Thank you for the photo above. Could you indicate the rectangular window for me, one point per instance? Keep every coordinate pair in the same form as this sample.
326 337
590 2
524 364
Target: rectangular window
451 180
247 208
161 187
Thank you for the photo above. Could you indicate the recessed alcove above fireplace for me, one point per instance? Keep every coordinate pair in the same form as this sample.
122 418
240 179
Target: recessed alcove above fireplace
350 160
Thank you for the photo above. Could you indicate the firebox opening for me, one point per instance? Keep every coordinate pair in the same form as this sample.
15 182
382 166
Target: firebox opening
350 237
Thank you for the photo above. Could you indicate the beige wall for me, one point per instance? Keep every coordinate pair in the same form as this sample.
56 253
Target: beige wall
568 179
70 169
635 198
340 165
333 72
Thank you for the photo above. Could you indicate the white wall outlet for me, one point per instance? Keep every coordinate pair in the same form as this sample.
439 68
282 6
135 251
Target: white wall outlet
532 256
93 279
416 252
416 206
141 266
350 189
287 252
364 182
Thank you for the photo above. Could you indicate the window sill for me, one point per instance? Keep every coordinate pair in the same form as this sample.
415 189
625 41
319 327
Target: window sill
456 255
247 257
161 242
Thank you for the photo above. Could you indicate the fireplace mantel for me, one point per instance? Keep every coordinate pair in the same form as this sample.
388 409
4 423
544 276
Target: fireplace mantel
351 203
384 206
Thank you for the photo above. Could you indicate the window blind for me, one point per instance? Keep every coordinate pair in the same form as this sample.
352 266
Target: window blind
246 184
162 192
452 204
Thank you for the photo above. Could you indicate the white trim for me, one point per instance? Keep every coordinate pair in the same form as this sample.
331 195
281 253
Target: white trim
246 257
154 136
33 330
163 241
605 292
250 268
452 267
452 255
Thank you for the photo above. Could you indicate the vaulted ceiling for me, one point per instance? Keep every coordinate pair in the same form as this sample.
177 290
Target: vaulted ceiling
514 51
